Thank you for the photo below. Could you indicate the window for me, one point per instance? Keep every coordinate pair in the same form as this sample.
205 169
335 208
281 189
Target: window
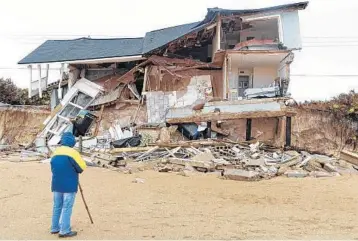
81 99
70 111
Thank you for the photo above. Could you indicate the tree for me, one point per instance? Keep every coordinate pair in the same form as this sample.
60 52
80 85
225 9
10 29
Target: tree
11 94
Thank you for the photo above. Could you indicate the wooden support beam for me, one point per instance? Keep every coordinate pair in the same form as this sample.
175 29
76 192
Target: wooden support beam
350 157
30 83
208 133
248 129
135 102
59 94
230 116
136 114
130 149
95 133
225 78
145 79
288 130
47 72
40 89
218 32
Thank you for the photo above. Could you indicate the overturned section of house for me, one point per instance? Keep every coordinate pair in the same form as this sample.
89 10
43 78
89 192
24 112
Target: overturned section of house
225 77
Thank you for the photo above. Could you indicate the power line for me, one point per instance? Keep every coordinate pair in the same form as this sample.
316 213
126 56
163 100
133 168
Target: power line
331 42
323 46
325 75
330 37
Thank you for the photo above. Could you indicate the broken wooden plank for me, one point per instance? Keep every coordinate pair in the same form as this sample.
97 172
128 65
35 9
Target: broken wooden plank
95 133
172 152
350 157
136 114
135 102
189 144
130 149
230 116
107 157
153 149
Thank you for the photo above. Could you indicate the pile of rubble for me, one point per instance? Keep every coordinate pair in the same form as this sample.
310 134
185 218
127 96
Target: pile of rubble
230 160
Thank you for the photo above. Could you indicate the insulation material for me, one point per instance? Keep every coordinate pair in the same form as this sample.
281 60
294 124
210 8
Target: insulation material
112 115
159 103
117 133
161 80
202 85
158 106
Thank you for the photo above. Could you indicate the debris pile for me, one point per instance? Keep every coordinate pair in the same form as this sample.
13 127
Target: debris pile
230 160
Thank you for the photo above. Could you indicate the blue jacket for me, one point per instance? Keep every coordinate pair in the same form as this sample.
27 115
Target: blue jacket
66 164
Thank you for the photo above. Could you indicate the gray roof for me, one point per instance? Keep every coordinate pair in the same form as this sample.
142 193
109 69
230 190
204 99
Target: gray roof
83 48
86 48
212 12
158 38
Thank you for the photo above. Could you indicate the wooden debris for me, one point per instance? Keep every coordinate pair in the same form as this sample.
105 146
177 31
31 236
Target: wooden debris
350 157
172 152
130 149
95 133
148 152
230 116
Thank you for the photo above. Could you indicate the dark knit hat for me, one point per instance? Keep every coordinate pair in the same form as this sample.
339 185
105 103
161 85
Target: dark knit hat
68 139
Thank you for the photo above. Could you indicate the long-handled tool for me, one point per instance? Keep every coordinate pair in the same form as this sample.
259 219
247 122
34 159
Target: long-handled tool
84 201
81 190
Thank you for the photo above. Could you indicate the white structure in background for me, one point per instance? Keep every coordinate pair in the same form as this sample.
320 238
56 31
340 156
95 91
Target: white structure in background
43 72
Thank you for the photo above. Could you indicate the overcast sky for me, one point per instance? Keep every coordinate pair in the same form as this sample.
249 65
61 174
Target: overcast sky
329 34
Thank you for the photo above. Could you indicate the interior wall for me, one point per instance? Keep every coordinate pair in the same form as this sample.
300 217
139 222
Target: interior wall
215 44
261 30
264 76
234 68
290 26
201 85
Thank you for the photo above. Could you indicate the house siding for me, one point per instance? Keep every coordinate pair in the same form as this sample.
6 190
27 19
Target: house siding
291 30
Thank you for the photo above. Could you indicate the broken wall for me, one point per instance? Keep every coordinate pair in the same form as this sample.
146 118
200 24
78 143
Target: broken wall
314 131
289 26
123 113
166 91
262 129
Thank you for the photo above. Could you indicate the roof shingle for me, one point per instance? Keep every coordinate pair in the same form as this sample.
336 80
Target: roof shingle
83 48
158 38
212 12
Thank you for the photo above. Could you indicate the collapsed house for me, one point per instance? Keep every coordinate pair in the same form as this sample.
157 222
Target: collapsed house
227 74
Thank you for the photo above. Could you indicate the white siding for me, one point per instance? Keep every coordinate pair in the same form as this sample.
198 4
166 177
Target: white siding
291 30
